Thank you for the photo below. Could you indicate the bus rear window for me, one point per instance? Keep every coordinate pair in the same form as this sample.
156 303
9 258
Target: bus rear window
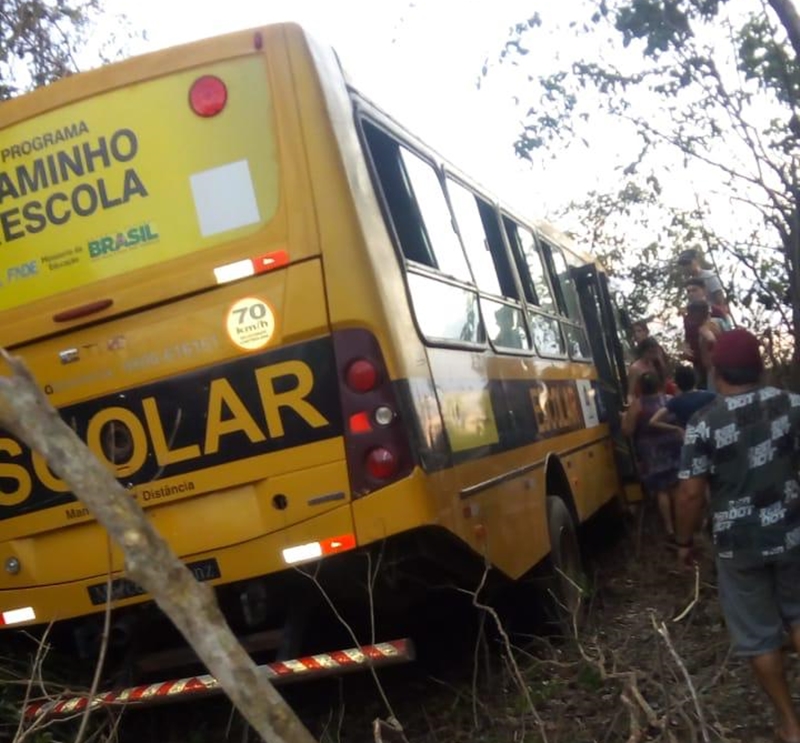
133 177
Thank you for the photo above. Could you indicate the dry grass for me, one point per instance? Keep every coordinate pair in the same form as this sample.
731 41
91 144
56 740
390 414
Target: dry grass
618 680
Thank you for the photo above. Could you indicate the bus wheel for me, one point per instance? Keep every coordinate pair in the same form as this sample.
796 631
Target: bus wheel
569 579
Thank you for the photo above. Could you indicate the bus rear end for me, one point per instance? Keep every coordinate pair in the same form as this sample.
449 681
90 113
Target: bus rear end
162 276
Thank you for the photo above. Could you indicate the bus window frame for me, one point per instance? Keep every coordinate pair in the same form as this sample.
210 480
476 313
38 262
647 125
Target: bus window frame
521 263
518 264
548 249
400 138
517 302
363 116
438 171
427 273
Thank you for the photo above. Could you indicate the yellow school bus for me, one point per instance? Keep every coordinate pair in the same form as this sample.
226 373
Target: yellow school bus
295 334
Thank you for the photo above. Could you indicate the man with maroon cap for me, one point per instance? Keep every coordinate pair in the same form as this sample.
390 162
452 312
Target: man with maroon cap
743 449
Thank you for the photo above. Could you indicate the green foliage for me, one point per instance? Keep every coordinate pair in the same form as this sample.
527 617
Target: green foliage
40 41
767 62
712 91
660 24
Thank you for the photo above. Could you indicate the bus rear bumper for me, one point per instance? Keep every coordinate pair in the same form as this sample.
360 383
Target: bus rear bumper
235 563
307 668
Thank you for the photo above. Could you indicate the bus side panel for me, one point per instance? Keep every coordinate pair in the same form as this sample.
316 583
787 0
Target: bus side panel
499 484
504 416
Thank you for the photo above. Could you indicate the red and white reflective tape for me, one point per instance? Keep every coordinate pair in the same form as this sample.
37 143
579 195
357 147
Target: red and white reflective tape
313 666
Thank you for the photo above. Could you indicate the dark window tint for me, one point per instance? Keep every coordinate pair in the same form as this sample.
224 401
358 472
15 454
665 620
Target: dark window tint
569 295
417 206
530 265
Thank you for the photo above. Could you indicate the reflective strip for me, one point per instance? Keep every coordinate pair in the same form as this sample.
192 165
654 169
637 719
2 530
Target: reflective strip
308 667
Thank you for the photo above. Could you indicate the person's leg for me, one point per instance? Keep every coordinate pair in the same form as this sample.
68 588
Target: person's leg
795 634
788 578
751 604
769 671
665 510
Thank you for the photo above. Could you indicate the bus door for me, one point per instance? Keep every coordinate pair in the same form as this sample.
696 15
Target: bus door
607 350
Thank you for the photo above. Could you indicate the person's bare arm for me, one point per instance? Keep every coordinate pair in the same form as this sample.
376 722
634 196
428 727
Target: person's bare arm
657 421
628 419
634 372
708 336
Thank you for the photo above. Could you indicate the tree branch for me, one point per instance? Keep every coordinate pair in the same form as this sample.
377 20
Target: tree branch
192 606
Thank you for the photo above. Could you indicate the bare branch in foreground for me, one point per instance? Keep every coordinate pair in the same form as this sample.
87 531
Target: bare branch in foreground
192 606
664 632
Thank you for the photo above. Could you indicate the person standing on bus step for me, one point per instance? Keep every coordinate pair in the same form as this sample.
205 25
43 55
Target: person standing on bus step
689 261
650 357
696 292
745 449
657 451
640 331
699 315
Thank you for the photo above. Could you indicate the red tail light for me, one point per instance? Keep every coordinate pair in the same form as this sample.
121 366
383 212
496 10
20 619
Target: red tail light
381 463
361 376
376 436
208 96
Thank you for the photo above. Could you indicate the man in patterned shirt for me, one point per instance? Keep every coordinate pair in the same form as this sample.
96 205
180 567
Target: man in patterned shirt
744 449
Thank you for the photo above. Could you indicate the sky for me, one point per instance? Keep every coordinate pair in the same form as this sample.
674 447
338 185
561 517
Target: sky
418 59
421 61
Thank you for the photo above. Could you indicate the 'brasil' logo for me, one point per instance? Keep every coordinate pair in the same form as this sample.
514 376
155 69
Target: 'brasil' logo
143 233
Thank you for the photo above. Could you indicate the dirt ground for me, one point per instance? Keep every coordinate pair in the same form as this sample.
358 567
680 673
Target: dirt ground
629 673
618 679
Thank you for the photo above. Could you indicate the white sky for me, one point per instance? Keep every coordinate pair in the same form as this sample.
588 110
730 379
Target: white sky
421 59
418 60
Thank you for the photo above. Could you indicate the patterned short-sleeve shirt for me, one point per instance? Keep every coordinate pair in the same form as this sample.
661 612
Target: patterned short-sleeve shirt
748 448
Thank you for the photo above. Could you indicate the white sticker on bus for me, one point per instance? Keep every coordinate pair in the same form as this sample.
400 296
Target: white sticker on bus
250 323
586 394
224 198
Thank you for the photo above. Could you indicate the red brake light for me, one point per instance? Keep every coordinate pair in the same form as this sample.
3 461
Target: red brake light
381 463
376 436
359 423
362 376
208 96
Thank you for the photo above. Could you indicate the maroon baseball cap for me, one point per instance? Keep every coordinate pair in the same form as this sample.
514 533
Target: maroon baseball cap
737 349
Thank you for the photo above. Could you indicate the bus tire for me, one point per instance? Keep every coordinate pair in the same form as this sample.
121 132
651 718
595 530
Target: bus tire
568 576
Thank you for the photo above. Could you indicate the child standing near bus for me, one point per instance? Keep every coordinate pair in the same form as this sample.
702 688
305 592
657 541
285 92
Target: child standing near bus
657 450
684 405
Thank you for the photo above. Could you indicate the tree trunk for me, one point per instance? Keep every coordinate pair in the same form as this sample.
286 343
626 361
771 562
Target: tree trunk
790 19
192 606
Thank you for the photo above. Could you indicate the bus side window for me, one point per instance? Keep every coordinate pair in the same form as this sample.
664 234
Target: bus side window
547 336
577 343
418 213
417 205
529 262
445 312
505 323
397 196
568 299
432 205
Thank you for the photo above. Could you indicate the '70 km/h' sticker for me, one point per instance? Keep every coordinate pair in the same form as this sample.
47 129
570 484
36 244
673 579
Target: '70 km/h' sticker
250 323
